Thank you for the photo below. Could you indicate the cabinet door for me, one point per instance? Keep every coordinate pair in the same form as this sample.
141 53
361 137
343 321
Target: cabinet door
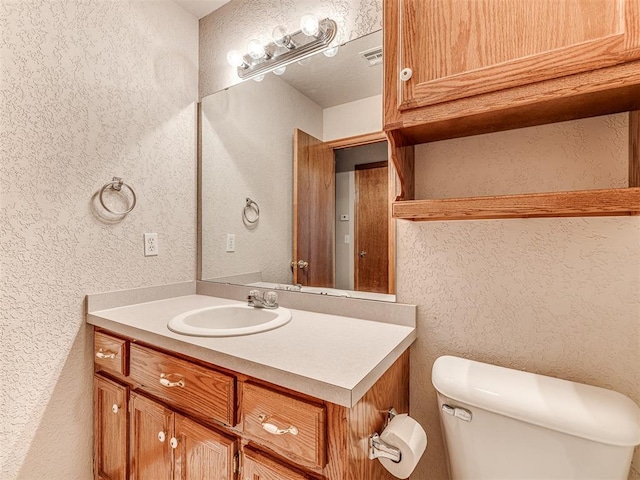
201 453
110 429
260 467
462 48
151 431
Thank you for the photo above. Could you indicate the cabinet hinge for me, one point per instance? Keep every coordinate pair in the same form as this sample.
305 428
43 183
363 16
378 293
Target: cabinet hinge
236 463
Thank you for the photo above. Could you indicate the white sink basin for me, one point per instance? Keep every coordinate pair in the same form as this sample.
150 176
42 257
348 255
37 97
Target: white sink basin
228 321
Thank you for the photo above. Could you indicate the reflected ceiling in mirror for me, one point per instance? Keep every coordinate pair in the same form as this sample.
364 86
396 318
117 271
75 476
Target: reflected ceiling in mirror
247 152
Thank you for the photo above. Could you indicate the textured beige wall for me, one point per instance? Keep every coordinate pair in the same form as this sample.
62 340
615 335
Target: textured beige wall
88 90
553 296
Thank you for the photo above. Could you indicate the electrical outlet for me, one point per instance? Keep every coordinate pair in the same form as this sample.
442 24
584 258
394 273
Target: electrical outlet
231 242
151 244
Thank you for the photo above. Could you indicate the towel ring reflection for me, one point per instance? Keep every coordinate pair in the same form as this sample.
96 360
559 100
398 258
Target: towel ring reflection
248 206
116 184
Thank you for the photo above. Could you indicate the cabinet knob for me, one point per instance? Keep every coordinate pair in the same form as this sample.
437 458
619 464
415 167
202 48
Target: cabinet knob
406 74
115 408
162 436
173 442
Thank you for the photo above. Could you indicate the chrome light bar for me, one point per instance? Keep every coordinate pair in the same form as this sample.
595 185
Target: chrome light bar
298 46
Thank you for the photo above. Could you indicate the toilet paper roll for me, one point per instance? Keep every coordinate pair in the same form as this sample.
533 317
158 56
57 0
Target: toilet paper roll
405 433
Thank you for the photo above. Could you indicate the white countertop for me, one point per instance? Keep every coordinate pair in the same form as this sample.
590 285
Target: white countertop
330 357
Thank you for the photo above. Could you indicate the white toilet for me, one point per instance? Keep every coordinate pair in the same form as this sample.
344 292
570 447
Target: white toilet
500 423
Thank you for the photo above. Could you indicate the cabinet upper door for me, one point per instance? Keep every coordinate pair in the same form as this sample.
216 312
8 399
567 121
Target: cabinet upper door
202 452
151 431
462 48
110 429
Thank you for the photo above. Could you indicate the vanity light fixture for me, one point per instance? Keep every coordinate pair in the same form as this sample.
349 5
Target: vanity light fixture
314 36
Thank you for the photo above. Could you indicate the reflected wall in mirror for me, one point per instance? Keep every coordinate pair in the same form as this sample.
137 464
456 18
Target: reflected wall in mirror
323 200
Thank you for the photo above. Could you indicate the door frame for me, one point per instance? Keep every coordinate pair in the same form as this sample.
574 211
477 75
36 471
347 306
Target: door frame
366 139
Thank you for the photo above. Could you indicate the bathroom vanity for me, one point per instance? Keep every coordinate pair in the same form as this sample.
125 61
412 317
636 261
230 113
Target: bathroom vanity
296 402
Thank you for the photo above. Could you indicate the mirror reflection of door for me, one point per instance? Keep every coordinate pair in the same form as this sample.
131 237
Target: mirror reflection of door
371 231
313 211
362 222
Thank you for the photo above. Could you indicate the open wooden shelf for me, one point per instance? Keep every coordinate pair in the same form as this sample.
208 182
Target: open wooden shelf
583 203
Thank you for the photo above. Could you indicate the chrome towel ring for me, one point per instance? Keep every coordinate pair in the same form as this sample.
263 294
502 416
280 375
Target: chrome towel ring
248 206
116 184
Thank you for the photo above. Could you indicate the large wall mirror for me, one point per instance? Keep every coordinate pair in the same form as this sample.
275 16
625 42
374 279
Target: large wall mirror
294 179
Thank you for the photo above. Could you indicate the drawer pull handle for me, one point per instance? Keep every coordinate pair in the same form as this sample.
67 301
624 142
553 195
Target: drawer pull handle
273 429
164 380
105 354
162 436
173 442
115 408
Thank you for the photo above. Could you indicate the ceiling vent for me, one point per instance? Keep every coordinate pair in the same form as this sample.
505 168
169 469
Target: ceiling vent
373 56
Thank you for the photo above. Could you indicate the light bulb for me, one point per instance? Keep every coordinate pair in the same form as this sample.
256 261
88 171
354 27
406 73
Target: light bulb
234 58
331 52
304 61
280 70
255 49
310 25
280 36
258 78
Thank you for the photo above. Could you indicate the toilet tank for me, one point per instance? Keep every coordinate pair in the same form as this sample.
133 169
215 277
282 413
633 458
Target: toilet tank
500 423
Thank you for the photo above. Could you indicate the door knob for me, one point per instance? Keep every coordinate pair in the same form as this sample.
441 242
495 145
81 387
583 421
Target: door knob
363 254
301 264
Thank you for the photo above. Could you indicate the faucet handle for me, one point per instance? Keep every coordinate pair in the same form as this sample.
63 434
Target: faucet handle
254 293
271 299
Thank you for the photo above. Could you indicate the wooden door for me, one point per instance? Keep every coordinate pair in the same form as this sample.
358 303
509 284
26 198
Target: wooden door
463 48
151 455
372 228
256 466
314 198
202 453
110 429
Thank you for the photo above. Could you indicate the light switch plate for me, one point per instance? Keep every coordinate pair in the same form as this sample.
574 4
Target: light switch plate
231 242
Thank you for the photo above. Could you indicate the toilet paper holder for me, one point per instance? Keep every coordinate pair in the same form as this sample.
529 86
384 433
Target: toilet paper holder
379 449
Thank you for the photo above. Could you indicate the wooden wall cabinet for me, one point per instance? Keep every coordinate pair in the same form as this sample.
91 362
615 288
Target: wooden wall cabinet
148 424
479 66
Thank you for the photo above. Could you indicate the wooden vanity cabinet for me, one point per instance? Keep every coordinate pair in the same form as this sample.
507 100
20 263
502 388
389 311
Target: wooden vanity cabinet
110 426
168 445
174 418
484 65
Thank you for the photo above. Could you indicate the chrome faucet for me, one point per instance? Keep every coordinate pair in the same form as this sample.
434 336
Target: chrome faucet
268 300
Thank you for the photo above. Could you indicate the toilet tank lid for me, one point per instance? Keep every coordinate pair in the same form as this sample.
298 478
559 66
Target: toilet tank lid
574 408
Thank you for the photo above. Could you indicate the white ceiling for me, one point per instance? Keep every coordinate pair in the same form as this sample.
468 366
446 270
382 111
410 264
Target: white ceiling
201 8
341 79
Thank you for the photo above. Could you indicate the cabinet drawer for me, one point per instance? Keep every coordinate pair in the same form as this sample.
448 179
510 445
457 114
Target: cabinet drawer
285 424
110 353
200 391
256 466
